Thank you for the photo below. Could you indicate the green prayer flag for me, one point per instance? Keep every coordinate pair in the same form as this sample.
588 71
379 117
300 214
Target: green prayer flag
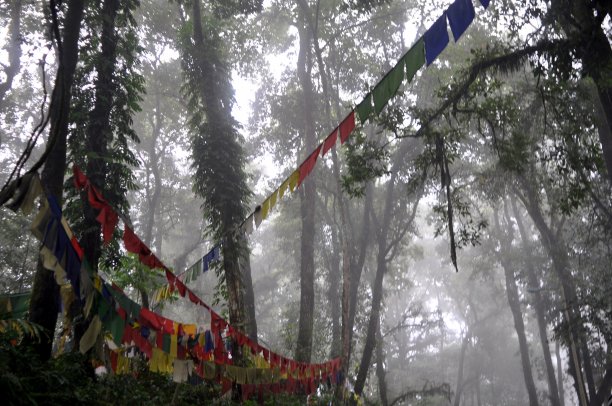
388 86
166 343
103 309
364 109
116 327
381 95
415 59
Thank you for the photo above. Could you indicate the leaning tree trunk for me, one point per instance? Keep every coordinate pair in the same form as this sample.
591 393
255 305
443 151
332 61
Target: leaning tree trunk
538 308
43 303
380 367
560 262
517 315
303 351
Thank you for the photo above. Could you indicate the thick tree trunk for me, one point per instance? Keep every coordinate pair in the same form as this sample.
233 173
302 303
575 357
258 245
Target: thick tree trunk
215 95
43 303
538 308
99 132
303 351
578 20
249 295
517 314
13 48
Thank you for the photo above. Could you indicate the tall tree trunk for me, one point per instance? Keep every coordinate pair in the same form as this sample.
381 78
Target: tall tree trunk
538 308
557 251
333 295
218 138
43 302
560 374
303 351
380 367
13 48
99 132
249 295
377 294
515 307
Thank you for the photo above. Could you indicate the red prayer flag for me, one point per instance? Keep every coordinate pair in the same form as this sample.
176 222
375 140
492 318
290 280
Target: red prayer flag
309 164
80 180
330 141
347 127
131 242
109 220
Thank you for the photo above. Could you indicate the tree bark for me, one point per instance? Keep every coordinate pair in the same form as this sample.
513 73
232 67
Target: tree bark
538 308
308 192
43 303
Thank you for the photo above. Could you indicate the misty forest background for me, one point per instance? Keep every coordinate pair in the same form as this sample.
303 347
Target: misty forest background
455 250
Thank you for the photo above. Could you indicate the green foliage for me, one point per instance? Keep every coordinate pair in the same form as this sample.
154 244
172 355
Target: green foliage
218 158
366 160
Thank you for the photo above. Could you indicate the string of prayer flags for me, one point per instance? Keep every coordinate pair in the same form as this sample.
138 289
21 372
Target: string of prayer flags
436 39
424 51
460 16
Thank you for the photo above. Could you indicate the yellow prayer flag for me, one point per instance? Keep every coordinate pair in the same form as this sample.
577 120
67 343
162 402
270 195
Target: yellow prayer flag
174 340
283 187
272 199
265 209
293 180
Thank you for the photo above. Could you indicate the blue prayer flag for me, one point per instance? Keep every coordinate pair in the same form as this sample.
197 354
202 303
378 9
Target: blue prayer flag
485 3
460 16
436 39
